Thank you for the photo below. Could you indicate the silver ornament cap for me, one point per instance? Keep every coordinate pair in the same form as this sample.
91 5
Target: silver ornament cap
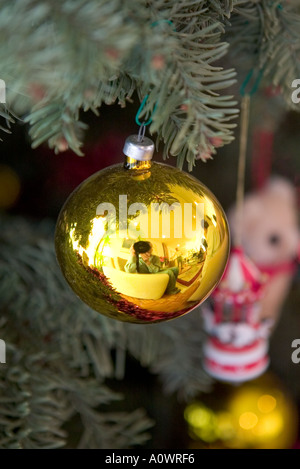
139 149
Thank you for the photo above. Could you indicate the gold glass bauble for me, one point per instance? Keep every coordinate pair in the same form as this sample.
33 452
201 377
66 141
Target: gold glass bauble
142 242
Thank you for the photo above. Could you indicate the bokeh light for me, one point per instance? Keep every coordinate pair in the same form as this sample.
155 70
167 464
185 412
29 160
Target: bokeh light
10 187
258 414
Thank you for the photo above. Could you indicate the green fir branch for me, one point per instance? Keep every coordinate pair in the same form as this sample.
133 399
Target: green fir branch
123 49
264 37
7 117
170 50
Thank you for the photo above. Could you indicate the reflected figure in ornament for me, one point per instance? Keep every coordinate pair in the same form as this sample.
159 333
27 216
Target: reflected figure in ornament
179 259
143 261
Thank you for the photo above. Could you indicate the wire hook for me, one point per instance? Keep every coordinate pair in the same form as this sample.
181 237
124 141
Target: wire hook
137 120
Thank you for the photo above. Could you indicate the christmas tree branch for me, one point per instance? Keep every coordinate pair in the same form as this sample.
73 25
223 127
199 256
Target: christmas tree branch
4 114
124 49
55 67
264 36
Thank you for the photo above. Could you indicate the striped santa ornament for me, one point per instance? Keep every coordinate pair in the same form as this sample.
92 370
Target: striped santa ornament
236 349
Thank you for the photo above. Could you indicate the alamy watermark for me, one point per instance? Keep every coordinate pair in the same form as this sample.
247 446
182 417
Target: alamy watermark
295 94
189 219
2 351
2 92
296 353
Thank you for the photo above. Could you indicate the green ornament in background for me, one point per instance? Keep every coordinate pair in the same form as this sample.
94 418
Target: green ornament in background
142 242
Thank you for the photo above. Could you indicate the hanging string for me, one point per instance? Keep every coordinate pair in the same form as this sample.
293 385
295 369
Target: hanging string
255 85
141 133
244 129
245 108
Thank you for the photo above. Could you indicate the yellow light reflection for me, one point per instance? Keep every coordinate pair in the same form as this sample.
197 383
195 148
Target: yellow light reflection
225 425
197 416
75 243
266 403
248 420
256 415
270 425
202 422
96 234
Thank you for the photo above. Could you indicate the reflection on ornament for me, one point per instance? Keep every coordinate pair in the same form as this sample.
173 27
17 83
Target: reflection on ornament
10 187
182 227
237 346
255 415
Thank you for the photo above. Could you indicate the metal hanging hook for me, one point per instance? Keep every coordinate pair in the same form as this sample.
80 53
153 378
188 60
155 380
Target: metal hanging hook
137 120
141 133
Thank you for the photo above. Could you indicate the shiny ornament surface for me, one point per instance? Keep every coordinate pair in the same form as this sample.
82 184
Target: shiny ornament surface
142 242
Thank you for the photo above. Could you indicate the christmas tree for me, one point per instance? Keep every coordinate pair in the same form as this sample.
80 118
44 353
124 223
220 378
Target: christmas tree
75 74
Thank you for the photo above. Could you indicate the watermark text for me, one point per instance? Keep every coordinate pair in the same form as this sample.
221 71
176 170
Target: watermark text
296 353
2 351
295 94
153 221
2 92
